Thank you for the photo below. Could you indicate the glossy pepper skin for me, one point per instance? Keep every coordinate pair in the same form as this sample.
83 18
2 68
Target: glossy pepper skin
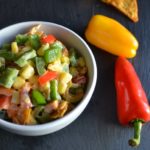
132 104
109 35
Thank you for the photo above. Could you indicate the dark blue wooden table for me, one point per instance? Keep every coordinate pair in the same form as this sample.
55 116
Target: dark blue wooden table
97 128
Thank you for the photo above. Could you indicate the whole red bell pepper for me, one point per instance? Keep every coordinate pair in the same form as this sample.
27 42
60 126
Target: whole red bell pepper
132 104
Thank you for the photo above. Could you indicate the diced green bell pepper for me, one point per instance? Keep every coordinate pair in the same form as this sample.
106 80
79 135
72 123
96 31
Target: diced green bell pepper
56 45
73 58
22 60
54 90
2 63
34 41
54 53
8 77
8 55
38 98
21 38
40 65
6 46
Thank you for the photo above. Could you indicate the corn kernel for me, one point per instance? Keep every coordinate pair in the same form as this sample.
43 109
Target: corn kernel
24 49
81 62
34 82
33 79
42 49
65 60
31 120
31 63
19 82
65 77
74 72
14 47
45 87
55 66
83 70
62 87
27 72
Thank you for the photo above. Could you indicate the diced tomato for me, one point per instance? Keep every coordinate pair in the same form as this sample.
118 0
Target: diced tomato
48 39
79 79
5 91
48 76
4 102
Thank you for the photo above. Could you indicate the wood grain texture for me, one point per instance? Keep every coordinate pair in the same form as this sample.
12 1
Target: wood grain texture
97 128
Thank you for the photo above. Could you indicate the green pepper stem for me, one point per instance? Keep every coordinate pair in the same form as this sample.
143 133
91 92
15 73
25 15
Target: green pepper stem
135 141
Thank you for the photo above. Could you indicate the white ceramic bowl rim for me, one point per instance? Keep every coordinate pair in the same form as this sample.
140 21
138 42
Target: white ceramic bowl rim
87 94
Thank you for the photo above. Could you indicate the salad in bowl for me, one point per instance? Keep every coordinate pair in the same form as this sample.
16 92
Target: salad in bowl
40 78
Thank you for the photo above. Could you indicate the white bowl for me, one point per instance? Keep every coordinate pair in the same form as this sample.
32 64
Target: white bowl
71 39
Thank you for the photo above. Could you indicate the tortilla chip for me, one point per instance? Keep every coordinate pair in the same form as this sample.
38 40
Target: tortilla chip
128 7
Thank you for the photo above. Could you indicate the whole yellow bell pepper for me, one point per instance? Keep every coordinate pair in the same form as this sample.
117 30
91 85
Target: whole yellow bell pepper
109 35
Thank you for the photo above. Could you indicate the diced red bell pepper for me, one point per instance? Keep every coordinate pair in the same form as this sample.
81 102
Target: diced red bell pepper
48 76
48 39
